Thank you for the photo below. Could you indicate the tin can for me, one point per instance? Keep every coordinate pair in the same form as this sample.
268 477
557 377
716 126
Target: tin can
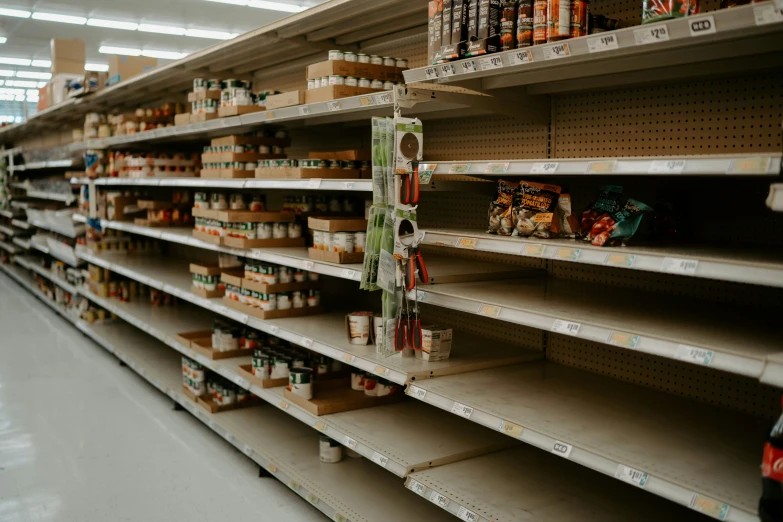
213 85
349 56
330 450
318 239
285 274
336 79
280 230
199 85
210 106
359 240
578 18
363 58
201 200
376 60
357 380
297 299
299 275
311 84
236 201
388 61
401 63
264 231
388 86
248 230
219 201
250 165
328 241
284 301
313 298
343 242
280 367
225 98
268 274
336 55
312 276
350 81
383 388
558 20
539 22
376 84
300 381
268 302
324 81
364 83
294 230
525 22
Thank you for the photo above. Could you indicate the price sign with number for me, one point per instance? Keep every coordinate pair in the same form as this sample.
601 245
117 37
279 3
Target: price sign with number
307 342
566 327
509 428
247 450
466 514
709 506
462 410
437 498
543 168
702 25
666 167
469 66
384 98
606 42
366 101
553 52
348 441
275 330
447 69
676 265
467 242
416 487
379 459
520 57
431 73
631 476
652 34
304 110
333 106
694 355
491 62
488 310
417 392
496 168
347 273
623 339
562 449
536 250
309 265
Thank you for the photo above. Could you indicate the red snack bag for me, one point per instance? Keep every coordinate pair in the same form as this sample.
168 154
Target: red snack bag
607 202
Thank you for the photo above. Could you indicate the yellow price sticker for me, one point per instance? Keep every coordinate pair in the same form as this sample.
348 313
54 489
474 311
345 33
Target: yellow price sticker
601 167
567 254
489 310
272 468
622 260
284 405
270 115
467 242
294 485
623 339
534 250
510 429
750 166
709 506
320 426
312 499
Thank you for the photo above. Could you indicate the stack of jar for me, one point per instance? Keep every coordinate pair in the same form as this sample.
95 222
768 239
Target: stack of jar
271 275
372 385
348 242
224 392
209 283
314 164
234 201
351 81
193 377
307 204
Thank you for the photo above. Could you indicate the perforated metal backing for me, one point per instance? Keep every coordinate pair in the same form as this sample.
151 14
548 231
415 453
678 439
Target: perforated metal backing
702 384
721 116
523 336
414 48
630 11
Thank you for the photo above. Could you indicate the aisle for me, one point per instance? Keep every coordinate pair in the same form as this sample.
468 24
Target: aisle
83 439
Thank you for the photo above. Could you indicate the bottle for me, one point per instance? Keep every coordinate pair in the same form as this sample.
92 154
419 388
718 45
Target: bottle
558 25
508 20
771 503
525 24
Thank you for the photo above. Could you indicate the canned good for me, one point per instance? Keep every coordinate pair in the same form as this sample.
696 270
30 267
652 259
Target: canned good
313 298
236 201
389 61
219 201
280 150
311 84
280 367
297 299
312 276
349 56
376 84
388 86
336 79
363 58
318 239
376 60
285 274
324 81
350 81
232 84
370 385
299 275
558 20
383 388
322 367
210 106
300 381
294 230
199 85
330 450
359 240
268 274
343 242
201 200
268 302
284 301
364 83
357 380
402 63
262 366
280 230
264 231
336 55
213 85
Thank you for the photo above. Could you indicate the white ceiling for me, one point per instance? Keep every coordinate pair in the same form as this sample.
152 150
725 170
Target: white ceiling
28 38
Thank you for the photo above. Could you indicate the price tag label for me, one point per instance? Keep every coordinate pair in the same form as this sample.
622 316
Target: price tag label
366 101
467 242
339 517
488 310
509 428
247 450
333 106
462 410
320 426
567 254
416 487
312 499
666 167
543 168
767 15
309 265
307 342
521 56
347 273
275 330
601 167
466 514
417 392
313 183
623 339
566 327
304 110
283 405
431 73
349 358
426 170
491 62
676 265
600 44
702 25
230 438
496 168
348 441
694 355
294 485
422 297
437 498
348 185
749 165
562 449
384 98
272 469
653 34
622 260
536 250
709 506
469 66
631 476
447 69
553 52
380 459
242 383
270 115
459 168
383 372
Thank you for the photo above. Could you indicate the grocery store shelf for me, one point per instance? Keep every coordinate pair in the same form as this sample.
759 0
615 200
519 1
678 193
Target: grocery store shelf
38 165
761 164
775 198
34 265
742 39
695 331
524 484
324 333
24 243
39 246
19 204
8 247
8 213
356 185
25 279
761 267
678 447
20 224
52 196
69 231
8 231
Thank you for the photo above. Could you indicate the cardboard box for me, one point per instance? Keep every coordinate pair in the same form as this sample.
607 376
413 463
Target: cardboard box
345 155
182 119
355 69
435 343
434 28
304 173
208 238
272 314
336 395
490 13
459 21
43 98
68 56
57 91
209 405
208 294
244 216
279 287
155 205
125 67
205 269
287 99
337 224
246 371
226 173
336 257
335 92
446 26
203 346
473 11
241 242
481 47
233 278
237 110
116 204
203 95
203 116
245 157
185 338
251 140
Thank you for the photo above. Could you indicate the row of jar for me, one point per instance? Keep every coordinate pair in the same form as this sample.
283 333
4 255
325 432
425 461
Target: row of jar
348 56
244 149
228 336
233 201
272 274
306 204
314 164
351 81
348 242
276 362
278 301
248 230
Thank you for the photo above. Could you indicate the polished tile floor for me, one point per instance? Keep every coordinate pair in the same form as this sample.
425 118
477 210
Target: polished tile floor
84 440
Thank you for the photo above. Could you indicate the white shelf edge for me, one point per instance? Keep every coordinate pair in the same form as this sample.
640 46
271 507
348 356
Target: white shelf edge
48 275
52 196
24 225
354 185
75 232
8 231
442 500
8 247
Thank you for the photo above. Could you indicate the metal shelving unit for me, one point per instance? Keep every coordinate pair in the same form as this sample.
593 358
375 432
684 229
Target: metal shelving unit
357 185
32 265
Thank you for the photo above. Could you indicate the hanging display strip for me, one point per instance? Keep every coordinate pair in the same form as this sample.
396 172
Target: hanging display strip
743 266
705 334
578 55
636 436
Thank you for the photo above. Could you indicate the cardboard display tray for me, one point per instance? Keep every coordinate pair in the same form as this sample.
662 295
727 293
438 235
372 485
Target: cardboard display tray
209 238
150 223
195 268
204 116
204 347
203 95
337 224
335 92
232 279
246 157
355 69
237 110
241 242
304 173
251 140
244 216
210 406
246 371
336 257
182 119
226 173
185 338
337 396
272 314
286 99
345 155
280 287
209 294
155 205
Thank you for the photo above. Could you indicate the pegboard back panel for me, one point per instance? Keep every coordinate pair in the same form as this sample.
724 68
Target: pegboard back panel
524 337
722 116
413 47
629 12
706 385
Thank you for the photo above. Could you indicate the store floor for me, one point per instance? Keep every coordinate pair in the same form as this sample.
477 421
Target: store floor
85 440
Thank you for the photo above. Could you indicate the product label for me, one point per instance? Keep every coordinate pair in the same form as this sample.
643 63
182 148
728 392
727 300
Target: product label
631 476
469 66
694 355
320 426
416 487
312 499
489 310
294 485
380 459
676 265
462 410
366 101
437 498
521 56
666 167
565 327
553 52
536 250
275 330
283 405
543 168
272 469
339 517
348 441
709 506
622 260
562 449
348 185
383 98
648 35
509 428
466 515
702 25
270 115
308 265
349 358
459 168
624 340
383 372
466 242
767 15
772 463
415 391
491 62
567 254
599 44
333 106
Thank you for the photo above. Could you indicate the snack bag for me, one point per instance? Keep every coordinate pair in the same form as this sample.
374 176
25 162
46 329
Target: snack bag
620 225
607 202
533 212
500 210
566 219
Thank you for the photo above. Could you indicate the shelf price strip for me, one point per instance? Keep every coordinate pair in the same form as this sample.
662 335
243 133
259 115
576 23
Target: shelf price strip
562 449
676 265
379 459
631 476
416 487
709 506
417 392
462 410
467 515
438 499
566 327
694 355
509 428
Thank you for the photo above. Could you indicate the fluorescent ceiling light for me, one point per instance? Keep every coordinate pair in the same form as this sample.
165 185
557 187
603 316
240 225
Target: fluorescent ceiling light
126 51
34 75
3 39
15 61
6 72
100 67
276 6
20 83
16 13
41 63
112 24
214 35
161 29
66 19
165 55
232 2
